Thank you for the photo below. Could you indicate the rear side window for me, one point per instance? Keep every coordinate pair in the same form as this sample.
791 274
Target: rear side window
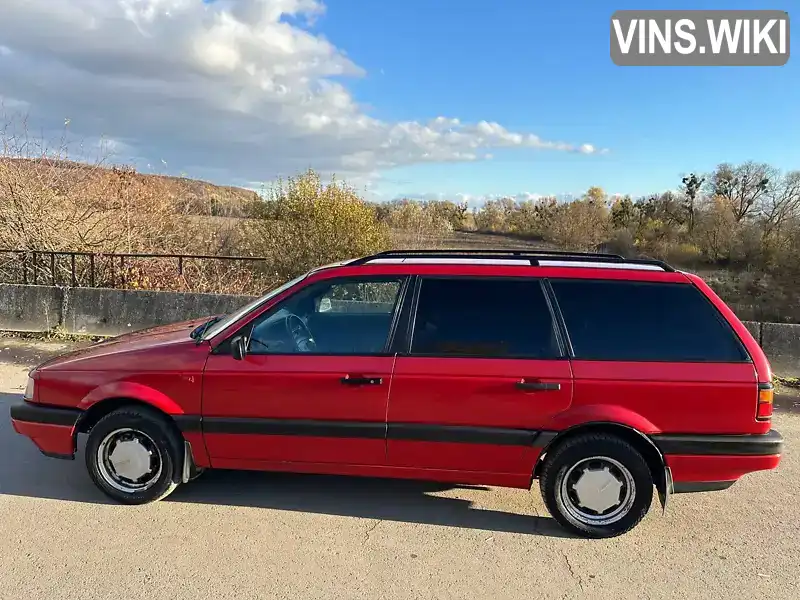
489 317
635 321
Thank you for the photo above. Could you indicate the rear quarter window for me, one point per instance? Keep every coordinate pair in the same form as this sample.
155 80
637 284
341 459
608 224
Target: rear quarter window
638 321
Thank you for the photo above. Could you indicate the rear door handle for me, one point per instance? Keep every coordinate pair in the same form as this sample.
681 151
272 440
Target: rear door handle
538 386
359 380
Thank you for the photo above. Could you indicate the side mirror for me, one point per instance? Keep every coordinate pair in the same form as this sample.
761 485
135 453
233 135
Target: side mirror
238 347
325 305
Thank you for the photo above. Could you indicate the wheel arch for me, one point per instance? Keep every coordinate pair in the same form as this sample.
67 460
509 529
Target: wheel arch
101 408
643 444
91 416
135 392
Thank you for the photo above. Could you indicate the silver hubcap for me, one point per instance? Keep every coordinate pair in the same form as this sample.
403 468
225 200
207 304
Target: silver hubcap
597 491
129 460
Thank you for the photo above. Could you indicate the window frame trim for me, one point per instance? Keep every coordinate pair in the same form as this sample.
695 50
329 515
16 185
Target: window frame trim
385 352
412 322
717 314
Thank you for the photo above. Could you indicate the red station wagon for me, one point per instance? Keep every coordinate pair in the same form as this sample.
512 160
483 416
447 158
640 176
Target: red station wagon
603 377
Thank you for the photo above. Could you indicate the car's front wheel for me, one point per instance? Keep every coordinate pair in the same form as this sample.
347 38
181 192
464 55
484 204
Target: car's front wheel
596 485
131 455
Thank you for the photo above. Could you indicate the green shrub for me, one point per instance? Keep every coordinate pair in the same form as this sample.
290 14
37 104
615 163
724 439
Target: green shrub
305 223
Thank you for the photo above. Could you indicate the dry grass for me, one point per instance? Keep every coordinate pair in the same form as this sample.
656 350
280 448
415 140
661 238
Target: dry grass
185 196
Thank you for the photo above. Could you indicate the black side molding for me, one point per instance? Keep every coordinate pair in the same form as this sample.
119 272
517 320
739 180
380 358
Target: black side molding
46 415
188 422
687 487
310 428
461 434
419 432
717 445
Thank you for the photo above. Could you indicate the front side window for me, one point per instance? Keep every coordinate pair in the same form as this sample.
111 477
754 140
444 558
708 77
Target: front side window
484 317
337 316
230 319
639 321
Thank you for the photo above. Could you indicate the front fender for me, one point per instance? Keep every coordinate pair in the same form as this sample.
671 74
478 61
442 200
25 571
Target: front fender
133 391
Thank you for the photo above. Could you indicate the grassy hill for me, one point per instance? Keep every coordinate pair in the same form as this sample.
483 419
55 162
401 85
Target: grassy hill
187 196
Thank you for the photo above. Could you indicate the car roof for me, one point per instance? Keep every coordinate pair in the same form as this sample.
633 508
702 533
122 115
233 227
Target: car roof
527 257
509 263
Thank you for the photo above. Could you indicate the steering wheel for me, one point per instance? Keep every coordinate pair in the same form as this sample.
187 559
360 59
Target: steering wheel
300 334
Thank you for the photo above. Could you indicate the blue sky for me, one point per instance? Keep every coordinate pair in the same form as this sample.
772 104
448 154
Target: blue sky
244 91
544 67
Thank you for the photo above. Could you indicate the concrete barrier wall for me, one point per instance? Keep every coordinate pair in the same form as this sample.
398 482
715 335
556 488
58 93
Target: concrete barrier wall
96 311
30 308
111 312
781 342
755 329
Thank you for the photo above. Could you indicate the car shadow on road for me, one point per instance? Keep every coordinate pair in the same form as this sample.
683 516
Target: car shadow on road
371 498
26 472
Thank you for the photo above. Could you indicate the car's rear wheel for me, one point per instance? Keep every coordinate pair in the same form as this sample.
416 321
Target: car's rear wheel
131 455
596 485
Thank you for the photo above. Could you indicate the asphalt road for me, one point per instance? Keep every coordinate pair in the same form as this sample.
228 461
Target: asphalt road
254 535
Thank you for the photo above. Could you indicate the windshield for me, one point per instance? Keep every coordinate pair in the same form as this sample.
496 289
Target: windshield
228 320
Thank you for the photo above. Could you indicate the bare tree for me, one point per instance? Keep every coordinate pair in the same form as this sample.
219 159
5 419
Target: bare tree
780 204
741 186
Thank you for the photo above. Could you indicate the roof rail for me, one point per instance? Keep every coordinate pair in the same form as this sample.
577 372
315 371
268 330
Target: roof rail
533 256
493 251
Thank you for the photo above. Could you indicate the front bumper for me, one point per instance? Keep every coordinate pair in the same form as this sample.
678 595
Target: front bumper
52 429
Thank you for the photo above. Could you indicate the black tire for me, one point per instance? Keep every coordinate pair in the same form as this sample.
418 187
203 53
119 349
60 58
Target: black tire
159 436
610 452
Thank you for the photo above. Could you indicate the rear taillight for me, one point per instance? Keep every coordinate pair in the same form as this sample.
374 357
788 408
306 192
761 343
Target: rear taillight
766 394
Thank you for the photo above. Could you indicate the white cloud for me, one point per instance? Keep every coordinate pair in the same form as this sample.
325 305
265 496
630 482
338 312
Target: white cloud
226 87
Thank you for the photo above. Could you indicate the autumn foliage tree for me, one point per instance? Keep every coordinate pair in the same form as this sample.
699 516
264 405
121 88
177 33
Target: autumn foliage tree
305 222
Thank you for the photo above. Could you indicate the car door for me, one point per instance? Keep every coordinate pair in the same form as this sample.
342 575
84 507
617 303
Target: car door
313 385
484 369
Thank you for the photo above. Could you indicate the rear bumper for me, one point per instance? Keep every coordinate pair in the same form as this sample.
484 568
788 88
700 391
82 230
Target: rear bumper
51 429
766 444
704 463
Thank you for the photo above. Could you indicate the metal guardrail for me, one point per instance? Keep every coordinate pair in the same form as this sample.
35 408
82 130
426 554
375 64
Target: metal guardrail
87 269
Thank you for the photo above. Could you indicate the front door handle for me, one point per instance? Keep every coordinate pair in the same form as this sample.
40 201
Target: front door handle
538 386
360 380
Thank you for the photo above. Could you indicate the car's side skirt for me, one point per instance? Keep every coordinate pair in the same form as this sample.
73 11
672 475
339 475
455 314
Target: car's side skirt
511 480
